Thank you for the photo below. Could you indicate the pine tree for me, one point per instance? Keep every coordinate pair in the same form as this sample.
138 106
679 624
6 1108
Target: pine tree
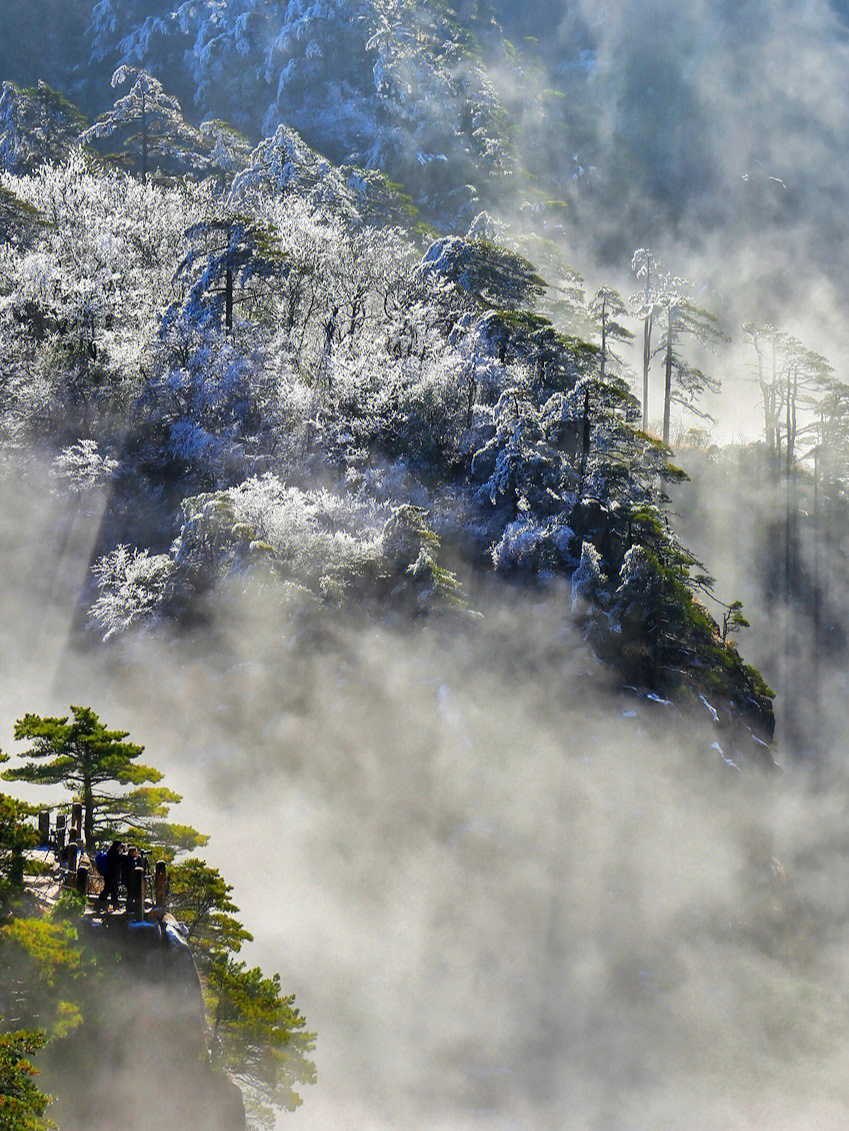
766 341
682 318
227 253
162 136
494 275
645 266
18 220
22 1104
91 761
37 124
16 836
605 308
200 898
258 1036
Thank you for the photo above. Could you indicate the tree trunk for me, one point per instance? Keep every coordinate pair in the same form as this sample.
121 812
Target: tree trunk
228 300
216 1045
603 335
647 328
771 416
790 478
766 396
88 814
585 439
667 386
775 427
788 650
788 538
815 664
771 438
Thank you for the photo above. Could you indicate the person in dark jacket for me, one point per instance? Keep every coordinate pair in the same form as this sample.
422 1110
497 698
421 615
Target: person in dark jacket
111 876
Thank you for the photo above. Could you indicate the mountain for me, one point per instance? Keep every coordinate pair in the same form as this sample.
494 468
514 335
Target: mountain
281 371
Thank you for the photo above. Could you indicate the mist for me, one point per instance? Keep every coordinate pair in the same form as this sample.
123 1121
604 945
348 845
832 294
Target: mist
713 134
504 893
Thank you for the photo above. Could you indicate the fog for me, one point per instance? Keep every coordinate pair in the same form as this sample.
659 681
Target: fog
505 895
714 134
727 122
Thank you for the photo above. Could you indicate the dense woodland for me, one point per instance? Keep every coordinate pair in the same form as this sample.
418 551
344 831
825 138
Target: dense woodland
282 310
276 368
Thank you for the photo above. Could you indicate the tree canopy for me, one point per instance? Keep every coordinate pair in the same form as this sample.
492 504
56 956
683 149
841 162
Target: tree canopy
258 1036
163 134
37 124
22 1104
200 898
81 754
16 836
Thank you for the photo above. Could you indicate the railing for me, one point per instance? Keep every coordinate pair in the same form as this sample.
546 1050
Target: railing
77 871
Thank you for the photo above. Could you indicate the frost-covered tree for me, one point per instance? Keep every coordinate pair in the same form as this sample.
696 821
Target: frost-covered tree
588 580
681 318
229 150
37 124
392 86
83 468
229 254
646 267
133 584
284 166
85 291
432 399
590 594
495 275
605 308
666 635
664 297
163 135
322 544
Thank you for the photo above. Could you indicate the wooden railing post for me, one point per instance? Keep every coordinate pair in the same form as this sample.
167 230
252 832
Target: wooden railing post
60 831
161 884
77 817
44 828
73 853
82 879
136 894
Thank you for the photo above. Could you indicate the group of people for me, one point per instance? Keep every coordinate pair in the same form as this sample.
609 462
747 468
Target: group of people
118 865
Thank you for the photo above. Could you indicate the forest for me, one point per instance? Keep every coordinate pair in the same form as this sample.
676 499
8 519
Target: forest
360 443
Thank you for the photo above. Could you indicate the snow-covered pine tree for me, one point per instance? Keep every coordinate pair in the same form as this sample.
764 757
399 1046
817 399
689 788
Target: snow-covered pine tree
163 134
